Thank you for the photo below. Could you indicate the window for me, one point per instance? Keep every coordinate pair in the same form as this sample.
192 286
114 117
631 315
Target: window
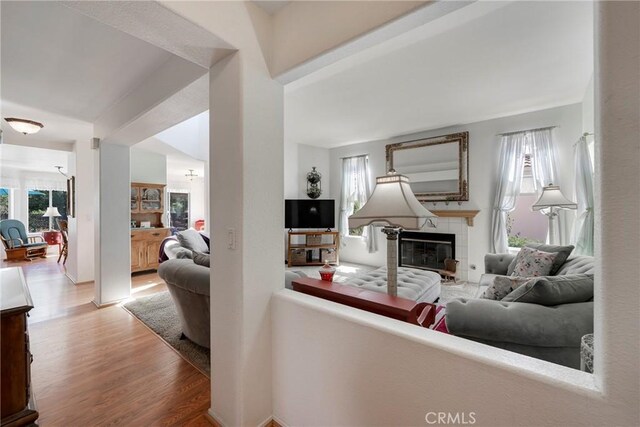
38 204
4 203
524 225
355 190
39 201
179 210
58 200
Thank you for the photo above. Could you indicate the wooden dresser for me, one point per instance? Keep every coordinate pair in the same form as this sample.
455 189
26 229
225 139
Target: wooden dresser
145 248
17 403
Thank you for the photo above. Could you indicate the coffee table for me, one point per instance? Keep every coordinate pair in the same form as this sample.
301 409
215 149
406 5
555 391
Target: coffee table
421 314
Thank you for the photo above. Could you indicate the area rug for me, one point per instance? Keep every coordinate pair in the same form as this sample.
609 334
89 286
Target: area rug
158 312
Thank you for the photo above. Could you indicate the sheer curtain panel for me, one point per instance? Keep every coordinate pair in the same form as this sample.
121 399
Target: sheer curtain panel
507 189
355 191
583 230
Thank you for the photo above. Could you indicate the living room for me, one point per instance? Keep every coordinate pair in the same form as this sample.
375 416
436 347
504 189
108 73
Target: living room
320 354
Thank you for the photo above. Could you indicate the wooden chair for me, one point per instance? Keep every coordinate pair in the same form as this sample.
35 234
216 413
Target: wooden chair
450 267
64 230
17 244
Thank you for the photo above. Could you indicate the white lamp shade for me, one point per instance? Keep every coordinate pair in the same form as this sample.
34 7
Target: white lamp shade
52 211
392 203
552 197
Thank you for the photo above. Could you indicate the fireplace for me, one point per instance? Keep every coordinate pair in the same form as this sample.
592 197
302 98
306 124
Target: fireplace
426 251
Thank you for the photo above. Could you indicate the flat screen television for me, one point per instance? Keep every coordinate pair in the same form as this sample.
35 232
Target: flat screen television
307 213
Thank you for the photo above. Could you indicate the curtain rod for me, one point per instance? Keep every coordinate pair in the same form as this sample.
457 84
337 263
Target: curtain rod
527 130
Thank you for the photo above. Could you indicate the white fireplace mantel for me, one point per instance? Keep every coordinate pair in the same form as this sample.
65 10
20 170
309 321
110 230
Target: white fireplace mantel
468 215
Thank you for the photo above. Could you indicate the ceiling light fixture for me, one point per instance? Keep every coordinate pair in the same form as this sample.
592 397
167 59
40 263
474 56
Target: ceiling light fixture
191 175
24 126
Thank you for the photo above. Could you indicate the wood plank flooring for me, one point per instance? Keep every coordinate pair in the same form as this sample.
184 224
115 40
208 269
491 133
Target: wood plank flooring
95 367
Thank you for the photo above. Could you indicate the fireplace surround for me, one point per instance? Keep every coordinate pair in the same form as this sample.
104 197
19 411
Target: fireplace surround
426 251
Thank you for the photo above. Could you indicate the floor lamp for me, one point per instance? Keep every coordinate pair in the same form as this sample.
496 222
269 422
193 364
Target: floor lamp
552 199
393 205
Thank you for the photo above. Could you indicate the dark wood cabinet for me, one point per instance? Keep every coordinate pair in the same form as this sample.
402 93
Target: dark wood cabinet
17 404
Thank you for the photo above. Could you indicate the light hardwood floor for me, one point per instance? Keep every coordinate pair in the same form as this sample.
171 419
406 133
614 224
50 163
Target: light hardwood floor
102 366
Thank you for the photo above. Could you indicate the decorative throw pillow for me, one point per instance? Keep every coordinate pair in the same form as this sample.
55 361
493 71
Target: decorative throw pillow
532 263
554 290
562 252
503 286
192 240
202 259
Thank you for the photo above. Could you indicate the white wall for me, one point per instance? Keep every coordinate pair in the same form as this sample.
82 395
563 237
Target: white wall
148 167
308 157
483 165
356 368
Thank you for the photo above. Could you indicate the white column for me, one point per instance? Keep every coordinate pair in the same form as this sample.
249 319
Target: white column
617 203
246 223
112 224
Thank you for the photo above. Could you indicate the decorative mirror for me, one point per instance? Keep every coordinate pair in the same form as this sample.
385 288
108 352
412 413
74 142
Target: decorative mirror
437 168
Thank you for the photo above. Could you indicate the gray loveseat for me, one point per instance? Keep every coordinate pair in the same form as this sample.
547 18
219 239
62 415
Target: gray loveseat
188 284
548 332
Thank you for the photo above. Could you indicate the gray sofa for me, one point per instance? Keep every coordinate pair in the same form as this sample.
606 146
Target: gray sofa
548 332
188 284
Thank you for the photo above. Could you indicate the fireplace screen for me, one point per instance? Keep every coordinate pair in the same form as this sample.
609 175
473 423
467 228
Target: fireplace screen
425 250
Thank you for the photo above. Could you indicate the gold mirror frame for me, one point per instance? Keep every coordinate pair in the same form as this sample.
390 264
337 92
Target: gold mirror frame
462 139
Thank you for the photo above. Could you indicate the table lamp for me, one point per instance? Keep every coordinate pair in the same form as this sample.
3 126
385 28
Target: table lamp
393 205
51 212
552 199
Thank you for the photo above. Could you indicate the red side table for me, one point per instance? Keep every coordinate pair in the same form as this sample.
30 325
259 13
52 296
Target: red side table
53 237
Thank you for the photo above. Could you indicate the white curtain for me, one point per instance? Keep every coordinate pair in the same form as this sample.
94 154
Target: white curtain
355 190
543 155
510 176
583 230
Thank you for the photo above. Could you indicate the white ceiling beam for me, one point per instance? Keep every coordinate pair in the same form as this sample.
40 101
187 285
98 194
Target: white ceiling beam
154 23
190 101
169 80
419 17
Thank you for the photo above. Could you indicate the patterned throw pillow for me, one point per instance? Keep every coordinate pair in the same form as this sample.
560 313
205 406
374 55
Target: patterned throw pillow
532 263
503 286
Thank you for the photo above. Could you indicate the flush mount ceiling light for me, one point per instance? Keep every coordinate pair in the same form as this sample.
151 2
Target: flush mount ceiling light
191 175
24 126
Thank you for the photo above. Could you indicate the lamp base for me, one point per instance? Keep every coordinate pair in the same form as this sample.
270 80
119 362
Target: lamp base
392 259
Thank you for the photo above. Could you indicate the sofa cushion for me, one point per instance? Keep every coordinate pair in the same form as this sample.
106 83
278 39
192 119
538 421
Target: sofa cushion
554 290
192 240
501 286
582 264
532 263
202 259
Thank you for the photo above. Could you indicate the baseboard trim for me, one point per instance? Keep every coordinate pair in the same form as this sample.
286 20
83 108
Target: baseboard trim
106 304
215 421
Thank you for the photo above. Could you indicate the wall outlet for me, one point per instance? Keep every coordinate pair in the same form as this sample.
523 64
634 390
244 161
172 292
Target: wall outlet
472 266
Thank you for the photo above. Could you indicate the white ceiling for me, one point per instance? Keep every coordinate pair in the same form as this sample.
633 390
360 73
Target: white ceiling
487 60
61 61
13 157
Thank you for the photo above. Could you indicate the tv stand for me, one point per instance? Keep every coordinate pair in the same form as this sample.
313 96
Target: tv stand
312 247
